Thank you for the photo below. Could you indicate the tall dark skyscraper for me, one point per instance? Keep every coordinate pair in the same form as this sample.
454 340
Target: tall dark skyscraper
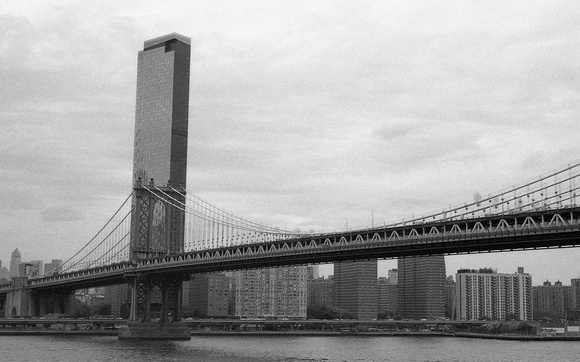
355 288
160 153
421 287
161 113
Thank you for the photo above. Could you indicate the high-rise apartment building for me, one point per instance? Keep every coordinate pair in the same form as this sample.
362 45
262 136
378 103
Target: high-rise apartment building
553 301
54 267
484 293
275 292
206 295
32 268
118 297
320 292
576 292
421 287
162 109
355 288
387 294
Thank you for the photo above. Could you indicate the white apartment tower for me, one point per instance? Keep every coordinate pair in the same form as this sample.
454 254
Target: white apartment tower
486 293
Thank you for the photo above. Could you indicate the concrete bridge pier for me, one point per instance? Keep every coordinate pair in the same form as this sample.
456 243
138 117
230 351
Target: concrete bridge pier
21 301
18 299
141 324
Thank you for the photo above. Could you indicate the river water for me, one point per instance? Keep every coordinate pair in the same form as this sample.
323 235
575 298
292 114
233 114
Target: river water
282 348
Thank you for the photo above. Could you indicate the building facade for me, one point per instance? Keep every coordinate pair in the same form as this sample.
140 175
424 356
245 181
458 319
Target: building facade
118 297
273 293
320 292
54 267
33 268
162 109
355 288
576 292
421 287
206 295
552 301
486 294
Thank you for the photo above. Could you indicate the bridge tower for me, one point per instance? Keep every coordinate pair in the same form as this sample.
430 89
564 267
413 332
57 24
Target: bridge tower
159 167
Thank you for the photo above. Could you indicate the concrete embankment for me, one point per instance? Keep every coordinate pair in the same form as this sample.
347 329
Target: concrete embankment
33 332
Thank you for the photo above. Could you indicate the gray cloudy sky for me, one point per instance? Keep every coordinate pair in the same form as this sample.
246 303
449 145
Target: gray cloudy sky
304 113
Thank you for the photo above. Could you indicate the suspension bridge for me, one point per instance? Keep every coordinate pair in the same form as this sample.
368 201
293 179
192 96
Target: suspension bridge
162 234
539 214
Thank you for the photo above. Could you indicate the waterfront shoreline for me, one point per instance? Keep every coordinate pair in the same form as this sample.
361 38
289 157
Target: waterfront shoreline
32 332
194 333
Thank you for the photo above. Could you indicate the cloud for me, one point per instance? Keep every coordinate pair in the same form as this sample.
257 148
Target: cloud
60 214
300 112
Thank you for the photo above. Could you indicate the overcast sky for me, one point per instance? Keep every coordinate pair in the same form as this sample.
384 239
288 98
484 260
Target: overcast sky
302 113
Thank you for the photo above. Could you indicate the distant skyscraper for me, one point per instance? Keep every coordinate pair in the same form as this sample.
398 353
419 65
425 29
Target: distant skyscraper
4 275
272 292
422 287
388 294
355 288
486 293
54 267
32 268
161 114
313 272
160 150
15 260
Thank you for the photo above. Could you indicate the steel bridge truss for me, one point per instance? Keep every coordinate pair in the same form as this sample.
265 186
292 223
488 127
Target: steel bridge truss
542 229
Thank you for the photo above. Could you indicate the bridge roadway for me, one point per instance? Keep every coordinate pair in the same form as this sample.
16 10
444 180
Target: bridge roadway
517 231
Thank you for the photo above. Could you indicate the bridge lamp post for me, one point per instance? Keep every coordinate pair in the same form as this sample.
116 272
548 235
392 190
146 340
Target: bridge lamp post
372 218
346 223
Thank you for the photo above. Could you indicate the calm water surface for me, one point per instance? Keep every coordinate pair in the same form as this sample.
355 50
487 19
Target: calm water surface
282 348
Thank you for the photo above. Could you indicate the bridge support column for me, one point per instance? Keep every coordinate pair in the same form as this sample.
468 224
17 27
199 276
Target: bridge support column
140 325
18 299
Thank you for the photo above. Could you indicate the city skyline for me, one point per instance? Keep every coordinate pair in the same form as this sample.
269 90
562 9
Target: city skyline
337 115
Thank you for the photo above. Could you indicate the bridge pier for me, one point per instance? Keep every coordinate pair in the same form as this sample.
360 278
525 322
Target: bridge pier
141 325
18 299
